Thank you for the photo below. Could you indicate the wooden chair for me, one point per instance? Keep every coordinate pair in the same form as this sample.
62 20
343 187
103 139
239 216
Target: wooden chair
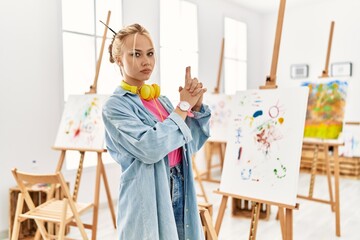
206 220
60 212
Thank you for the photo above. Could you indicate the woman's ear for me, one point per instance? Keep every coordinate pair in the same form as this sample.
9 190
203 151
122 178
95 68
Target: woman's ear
119 62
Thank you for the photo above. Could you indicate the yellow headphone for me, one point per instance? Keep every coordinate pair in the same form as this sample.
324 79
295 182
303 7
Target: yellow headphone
146 92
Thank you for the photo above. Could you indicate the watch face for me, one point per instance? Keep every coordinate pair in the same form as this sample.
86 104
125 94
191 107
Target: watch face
184 106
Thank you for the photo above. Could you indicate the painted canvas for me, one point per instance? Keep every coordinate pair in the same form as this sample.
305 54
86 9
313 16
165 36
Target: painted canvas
263 152
326 107
81 125
351 137
220 105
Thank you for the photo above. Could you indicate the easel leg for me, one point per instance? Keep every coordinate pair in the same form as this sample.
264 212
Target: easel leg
96 197
254 220
198 178
328 174
61 161
220 215
78 176
208 155
337 189
282 221
108 194
313 171
289 224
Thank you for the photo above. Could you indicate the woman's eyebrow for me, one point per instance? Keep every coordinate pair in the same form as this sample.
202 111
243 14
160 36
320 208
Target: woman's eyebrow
139 50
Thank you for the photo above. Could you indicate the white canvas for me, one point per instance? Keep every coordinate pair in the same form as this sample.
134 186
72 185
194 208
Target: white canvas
220 105
81 125
263 151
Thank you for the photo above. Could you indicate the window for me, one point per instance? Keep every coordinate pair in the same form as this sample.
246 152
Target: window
235 56
82 37
178 44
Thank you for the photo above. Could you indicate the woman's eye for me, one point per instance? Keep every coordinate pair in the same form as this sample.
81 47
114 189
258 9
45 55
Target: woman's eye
137 54
150 54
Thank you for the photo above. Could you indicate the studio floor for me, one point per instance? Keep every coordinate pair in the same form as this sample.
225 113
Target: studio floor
312 221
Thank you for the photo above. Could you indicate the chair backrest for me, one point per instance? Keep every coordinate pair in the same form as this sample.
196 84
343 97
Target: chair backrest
23 178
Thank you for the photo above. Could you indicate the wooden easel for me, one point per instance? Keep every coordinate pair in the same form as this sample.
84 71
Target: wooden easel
324 145
325 72
285 218
100 172
212 147
100 168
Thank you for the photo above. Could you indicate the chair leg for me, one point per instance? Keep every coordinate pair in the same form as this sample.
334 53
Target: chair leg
16 226
79 223
61 233
37 235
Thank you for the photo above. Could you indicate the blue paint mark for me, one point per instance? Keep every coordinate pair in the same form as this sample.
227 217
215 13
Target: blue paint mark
258 113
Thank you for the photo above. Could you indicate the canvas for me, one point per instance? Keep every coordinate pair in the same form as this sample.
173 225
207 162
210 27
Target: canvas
81 125
220 105
263 152
326 107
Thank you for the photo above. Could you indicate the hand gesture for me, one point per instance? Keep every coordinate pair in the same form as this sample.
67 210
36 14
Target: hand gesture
194 88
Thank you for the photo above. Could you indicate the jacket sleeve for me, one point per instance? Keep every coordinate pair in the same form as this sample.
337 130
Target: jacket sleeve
200 128
144 141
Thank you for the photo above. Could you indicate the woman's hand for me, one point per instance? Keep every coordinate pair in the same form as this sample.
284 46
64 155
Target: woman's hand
193 87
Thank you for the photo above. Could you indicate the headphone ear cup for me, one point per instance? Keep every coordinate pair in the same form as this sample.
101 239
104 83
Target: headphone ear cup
147 92
156 90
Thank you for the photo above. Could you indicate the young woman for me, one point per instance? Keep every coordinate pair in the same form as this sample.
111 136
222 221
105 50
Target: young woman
153 143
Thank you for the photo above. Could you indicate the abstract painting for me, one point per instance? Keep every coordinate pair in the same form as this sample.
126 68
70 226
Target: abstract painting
220 105
263 152
81 125
326 107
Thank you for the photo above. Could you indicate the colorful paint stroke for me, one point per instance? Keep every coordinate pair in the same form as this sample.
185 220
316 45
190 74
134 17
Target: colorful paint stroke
81 126
325 111
263 150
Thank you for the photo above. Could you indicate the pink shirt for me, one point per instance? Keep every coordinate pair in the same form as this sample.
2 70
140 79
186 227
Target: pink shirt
157 109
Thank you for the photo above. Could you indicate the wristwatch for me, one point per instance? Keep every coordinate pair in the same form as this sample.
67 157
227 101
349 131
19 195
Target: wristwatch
185 107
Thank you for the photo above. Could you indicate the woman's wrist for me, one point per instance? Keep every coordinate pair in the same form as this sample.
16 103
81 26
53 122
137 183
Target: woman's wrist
197 108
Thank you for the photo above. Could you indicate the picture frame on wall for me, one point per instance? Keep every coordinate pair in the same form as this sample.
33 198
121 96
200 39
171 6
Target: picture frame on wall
299 71
341 69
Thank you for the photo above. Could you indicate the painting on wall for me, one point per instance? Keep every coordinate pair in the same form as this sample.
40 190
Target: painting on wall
81 125
263 152
220 105
326 107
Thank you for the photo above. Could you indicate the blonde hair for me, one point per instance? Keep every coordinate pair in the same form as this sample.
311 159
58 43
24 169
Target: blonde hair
118 41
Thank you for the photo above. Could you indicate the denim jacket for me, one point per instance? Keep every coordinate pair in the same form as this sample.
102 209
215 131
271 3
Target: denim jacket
140 143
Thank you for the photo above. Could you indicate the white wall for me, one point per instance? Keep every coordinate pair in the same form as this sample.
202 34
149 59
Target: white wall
305 38
30 90
31 85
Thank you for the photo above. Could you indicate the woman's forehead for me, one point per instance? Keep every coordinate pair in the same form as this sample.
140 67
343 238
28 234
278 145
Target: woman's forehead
138 41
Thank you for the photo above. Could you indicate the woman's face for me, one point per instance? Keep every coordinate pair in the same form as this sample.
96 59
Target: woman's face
137 59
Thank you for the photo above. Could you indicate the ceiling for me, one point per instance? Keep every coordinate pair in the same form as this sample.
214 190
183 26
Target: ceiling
264 6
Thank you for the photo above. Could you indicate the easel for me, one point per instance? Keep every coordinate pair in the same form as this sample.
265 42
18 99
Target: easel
214 146
198 178
323 144
286 219
100 169
334 203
